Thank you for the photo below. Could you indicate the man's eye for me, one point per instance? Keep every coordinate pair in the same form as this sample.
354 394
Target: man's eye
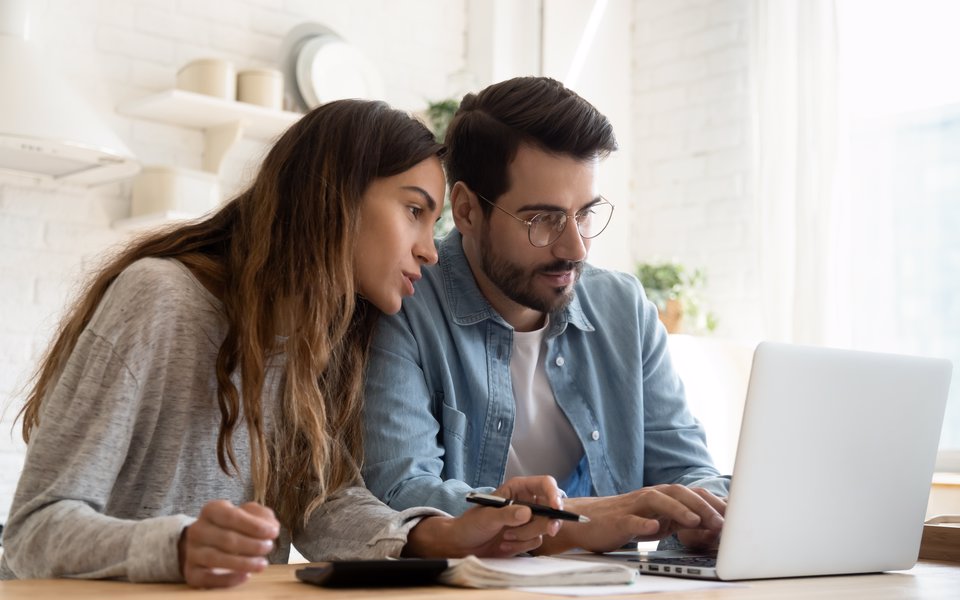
586 214
554 220
548 218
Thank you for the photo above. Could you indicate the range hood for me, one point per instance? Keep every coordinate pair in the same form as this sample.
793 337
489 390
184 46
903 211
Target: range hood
47 130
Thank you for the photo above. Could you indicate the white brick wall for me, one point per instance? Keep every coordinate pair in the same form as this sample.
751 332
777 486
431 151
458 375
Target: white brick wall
115 50
691 147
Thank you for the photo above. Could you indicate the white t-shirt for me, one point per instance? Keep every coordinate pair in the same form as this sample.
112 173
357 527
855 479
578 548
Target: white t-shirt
543 442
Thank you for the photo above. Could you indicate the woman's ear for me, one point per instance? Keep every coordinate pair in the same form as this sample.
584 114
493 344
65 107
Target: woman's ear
463 207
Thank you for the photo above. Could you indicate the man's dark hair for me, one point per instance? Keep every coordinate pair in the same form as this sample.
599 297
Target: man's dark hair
490 126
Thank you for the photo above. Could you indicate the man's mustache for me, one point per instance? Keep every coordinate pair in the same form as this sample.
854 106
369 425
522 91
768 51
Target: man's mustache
562 265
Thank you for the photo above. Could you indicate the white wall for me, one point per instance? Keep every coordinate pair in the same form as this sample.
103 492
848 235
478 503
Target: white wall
116 50
691 134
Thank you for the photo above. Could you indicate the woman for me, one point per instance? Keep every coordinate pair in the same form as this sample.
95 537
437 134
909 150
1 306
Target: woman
214 370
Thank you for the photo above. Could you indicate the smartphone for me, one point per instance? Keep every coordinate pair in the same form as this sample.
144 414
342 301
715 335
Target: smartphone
398 572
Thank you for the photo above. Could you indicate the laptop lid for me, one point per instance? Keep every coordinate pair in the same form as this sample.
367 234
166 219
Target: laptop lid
834 462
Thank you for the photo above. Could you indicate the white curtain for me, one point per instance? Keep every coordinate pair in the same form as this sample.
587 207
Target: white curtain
856 177
793 49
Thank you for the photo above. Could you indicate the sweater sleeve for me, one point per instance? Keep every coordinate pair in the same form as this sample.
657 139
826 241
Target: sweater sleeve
58 526
353 524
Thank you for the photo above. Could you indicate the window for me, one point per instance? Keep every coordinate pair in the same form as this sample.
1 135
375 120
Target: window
902 104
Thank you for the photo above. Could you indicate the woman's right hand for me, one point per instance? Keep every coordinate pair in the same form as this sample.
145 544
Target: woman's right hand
488 531
227 543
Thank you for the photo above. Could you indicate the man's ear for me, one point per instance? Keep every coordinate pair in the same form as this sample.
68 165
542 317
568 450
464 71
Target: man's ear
464 208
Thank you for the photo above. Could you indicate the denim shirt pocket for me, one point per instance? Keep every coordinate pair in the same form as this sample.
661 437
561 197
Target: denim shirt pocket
454 423
454 436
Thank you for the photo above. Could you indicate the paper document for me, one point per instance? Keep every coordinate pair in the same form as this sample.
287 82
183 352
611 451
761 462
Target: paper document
533 571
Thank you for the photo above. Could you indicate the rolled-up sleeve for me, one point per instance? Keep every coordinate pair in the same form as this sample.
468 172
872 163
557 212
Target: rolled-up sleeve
352 524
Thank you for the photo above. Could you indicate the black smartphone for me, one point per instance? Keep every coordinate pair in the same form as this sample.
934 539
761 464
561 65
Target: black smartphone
373 573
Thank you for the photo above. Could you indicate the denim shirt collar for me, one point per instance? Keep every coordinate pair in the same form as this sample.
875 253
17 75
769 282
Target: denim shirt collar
467 303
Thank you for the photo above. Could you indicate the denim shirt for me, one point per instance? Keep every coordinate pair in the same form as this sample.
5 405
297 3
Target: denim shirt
439 405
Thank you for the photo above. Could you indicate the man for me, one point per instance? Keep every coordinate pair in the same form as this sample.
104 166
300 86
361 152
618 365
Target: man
515 357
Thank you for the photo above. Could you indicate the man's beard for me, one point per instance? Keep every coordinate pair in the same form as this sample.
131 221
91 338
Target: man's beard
515 283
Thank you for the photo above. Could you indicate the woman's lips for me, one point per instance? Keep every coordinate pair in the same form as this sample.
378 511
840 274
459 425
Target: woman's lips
408 280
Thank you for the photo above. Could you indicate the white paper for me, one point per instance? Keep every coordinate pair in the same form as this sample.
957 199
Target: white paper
644 584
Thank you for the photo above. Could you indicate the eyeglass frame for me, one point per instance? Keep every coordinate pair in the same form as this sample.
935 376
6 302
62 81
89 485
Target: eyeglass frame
566 217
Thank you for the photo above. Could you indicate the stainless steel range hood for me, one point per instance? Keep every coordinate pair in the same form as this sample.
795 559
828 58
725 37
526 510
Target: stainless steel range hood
48 131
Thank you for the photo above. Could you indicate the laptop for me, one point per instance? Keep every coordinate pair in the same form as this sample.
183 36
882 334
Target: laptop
833 466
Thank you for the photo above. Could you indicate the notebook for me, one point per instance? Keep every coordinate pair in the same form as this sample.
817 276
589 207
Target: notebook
473 572
833 466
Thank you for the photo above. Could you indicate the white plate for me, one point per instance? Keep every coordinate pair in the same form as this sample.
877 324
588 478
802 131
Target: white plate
328 68
319 66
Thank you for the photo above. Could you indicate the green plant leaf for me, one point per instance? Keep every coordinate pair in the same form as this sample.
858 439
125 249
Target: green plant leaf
673 281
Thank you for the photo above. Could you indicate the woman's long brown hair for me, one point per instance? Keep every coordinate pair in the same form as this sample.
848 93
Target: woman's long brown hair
280 258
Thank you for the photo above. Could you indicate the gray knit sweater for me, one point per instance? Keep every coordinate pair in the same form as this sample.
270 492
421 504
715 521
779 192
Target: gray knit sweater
125 453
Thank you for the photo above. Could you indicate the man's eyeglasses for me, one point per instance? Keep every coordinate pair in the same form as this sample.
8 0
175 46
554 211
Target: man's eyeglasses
546 227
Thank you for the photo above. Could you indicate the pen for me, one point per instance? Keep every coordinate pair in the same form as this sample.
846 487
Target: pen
537 509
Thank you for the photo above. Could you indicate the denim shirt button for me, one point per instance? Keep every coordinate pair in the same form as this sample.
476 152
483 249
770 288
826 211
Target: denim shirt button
595 435
560 361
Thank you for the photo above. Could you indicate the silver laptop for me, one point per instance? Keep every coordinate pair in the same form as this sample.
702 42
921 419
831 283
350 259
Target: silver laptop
833 466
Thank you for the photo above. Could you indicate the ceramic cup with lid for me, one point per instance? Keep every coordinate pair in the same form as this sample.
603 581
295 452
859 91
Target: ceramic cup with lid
210 76
169 189
261 86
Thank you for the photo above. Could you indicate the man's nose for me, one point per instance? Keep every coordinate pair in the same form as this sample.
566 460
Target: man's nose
571 245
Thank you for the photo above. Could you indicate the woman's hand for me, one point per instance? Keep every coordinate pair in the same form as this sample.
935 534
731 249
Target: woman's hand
485 531
227 543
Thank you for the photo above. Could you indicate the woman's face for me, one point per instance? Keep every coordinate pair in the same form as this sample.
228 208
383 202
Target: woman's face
397 215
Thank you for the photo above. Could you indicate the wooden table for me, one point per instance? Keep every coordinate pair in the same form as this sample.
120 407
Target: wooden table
926 581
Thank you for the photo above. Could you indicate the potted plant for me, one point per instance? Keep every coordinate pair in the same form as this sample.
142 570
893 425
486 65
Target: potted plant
438 115
675 291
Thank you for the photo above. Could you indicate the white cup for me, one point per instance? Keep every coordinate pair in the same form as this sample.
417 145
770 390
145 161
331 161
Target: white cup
261 86
210 76
164 188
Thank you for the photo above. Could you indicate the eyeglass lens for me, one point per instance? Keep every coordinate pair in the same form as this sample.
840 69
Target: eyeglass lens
546 227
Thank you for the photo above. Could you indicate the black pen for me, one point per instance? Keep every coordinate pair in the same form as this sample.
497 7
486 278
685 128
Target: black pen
537 509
